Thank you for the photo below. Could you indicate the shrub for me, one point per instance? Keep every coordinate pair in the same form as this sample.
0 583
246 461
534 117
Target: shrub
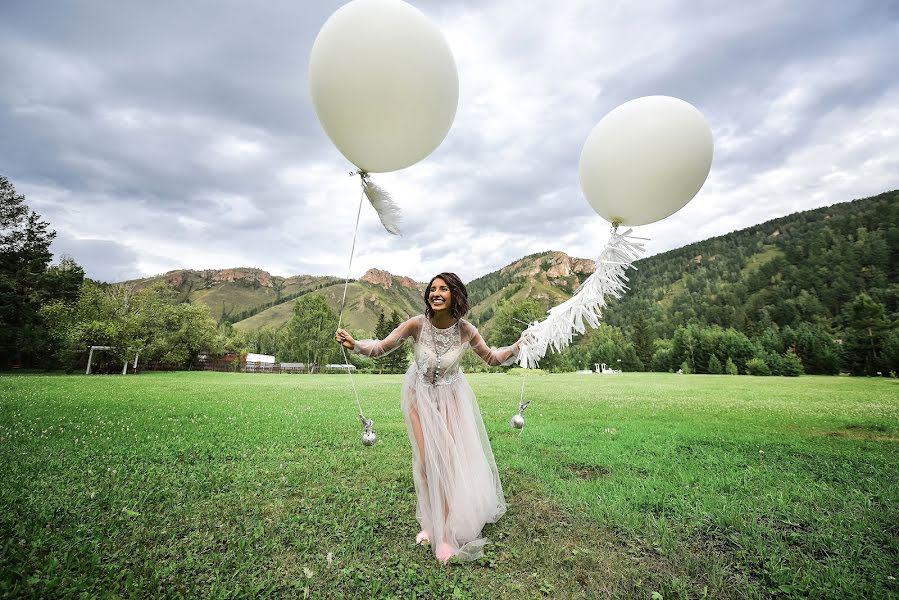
774 362
757 366
790 365
685 367
715 367
730 367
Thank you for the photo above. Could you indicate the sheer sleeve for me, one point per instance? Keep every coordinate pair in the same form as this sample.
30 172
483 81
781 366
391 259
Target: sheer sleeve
376 348
492 356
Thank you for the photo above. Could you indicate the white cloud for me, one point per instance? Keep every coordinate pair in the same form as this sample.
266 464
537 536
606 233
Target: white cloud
178 146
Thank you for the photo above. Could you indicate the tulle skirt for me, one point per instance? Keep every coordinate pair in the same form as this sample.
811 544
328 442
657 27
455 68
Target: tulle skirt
456 481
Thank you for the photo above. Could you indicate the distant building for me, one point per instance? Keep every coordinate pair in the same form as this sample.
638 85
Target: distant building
258 363
260 358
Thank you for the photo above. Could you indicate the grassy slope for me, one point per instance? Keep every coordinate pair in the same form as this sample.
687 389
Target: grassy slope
364 303
231 298
271 317
226 298
228 484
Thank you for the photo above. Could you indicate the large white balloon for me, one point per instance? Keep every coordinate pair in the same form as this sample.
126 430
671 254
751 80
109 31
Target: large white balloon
384 84
645 160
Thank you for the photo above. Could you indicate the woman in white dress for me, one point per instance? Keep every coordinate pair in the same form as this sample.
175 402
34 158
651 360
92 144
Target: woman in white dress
456 481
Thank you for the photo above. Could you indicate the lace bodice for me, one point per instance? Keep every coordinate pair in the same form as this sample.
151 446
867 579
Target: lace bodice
438 352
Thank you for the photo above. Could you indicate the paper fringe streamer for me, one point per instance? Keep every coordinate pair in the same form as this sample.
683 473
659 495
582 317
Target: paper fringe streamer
585 307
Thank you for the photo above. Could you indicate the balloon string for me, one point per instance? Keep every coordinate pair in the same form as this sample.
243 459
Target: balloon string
346 283
524 377
349 372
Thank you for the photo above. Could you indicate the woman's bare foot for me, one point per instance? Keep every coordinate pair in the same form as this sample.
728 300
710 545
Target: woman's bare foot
445 552
423 537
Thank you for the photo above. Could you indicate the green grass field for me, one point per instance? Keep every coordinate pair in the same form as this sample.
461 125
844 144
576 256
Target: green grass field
636 485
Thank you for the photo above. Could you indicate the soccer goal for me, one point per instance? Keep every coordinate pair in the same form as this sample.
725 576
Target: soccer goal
90 359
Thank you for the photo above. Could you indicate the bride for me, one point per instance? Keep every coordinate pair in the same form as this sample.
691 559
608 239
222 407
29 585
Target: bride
456 481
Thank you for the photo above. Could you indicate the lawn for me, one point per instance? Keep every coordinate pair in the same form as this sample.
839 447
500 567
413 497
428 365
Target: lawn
635 485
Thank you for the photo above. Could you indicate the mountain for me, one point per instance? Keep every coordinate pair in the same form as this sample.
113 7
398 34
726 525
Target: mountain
235 294
375 292
251 298
804 267
547 277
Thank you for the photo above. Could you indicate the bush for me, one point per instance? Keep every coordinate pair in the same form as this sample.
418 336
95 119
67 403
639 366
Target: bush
730 367
790 365
756 366
662 356
685 367
715 367
774 361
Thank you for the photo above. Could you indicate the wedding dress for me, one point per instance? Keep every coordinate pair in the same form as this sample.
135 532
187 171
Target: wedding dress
456 481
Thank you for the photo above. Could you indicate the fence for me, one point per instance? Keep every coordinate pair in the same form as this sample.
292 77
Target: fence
292 368
226 365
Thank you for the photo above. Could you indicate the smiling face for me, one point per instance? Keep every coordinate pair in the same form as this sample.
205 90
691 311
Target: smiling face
446 295
440 298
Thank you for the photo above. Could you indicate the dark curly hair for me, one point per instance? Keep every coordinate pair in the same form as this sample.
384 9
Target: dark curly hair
457 291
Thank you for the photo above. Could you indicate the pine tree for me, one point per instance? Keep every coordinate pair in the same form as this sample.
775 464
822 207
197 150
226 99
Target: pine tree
643 341
24 257
395 362
867 328
381 330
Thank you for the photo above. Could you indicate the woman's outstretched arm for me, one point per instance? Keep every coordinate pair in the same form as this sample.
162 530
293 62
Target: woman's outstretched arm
376 348
492 356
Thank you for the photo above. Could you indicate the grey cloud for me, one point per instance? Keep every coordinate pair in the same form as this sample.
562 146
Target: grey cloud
103 260
123 105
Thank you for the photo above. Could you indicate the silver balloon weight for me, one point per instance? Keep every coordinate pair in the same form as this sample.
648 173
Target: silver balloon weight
369 437
517 421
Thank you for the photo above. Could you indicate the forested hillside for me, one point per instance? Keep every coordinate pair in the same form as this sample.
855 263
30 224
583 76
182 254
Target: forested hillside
803 268
819 289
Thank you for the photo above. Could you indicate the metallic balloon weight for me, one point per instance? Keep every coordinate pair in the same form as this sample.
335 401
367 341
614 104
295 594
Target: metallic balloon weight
518 420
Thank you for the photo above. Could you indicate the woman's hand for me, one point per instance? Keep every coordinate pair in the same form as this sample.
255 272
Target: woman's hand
526 338
345 339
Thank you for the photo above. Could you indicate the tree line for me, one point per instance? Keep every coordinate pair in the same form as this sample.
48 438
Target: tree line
816 292
308 337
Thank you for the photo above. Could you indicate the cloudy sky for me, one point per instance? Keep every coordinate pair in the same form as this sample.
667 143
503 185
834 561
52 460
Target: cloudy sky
163 135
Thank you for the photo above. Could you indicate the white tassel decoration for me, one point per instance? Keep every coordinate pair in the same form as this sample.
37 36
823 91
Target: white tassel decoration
388 210
585 307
